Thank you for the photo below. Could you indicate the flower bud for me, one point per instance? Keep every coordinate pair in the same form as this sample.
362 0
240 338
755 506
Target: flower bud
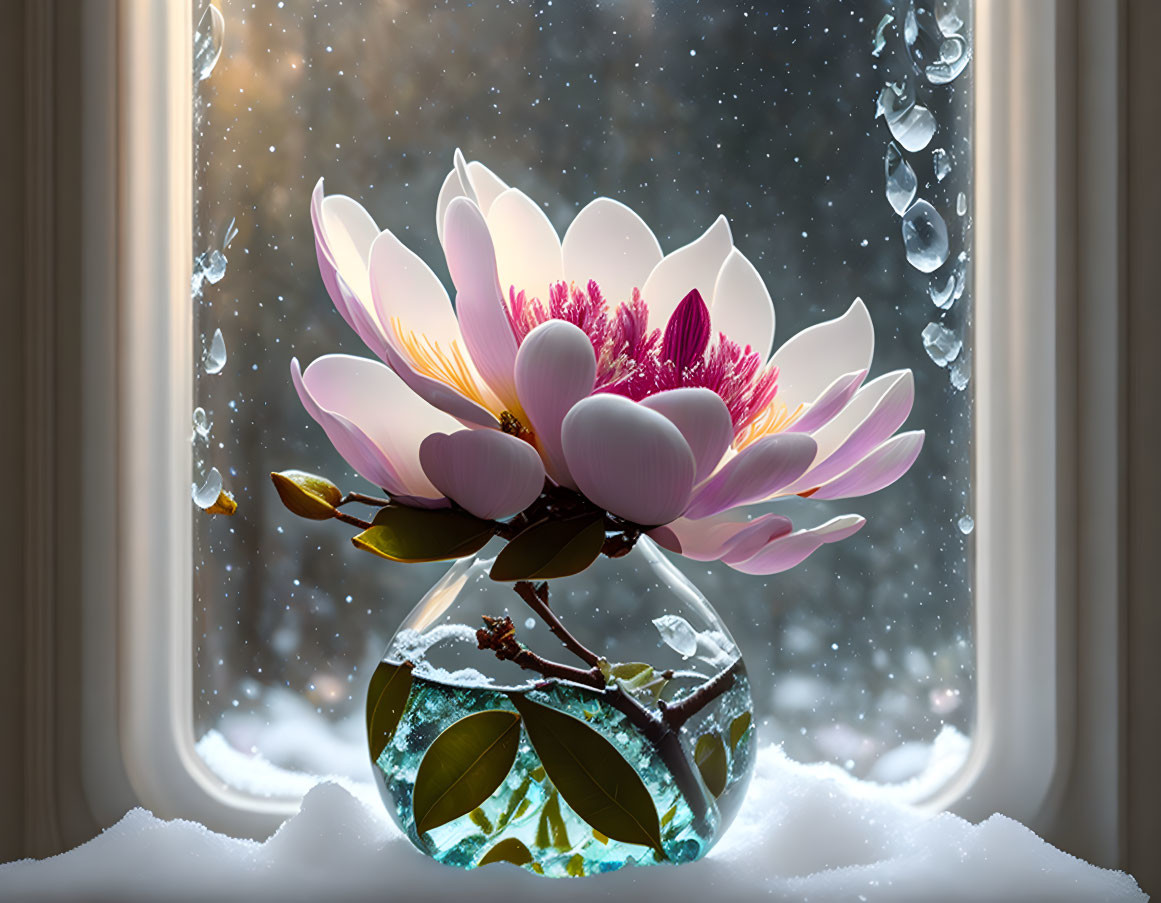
307 494
225 504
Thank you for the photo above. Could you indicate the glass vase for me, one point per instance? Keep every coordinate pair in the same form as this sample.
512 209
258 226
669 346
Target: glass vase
571 727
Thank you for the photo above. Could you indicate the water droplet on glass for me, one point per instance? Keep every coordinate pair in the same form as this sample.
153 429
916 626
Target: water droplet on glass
942 296
911 125
961 373
954 55
901 181
881 34
910 25
201 424
924 237
677 633
206 495
966 524
216 355
215 267
208 42
961 203
231 233
529 623
941 344
942 163
949 15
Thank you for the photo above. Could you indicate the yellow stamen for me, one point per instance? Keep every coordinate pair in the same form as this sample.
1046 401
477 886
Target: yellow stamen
449 367
774 418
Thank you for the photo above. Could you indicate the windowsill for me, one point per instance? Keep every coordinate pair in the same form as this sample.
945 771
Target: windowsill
804 832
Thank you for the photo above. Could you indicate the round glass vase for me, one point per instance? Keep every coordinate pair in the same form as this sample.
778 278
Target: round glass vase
572 727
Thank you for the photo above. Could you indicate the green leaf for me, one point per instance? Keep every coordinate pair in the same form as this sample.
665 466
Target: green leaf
552 831
386 700
552 548
510 849
480 819
738 728
400 533
594 779
464 766
637 678
517 797
710 755
575 868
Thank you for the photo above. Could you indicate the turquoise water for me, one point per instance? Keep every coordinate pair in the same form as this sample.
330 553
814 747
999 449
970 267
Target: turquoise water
527 807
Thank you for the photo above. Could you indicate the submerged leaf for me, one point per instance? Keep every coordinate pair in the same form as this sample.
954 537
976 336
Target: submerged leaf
552 548
464 766
552 831
510 849
738 728
594 779
400 533
386 700
710 754
575 868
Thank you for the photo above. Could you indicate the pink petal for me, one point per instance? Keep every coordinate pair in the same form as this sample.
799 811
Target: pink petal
665 538
880 423
385 421
628 459
687 333
611 244
473 181
879 469
528 254
742 307
693 266
810 360
483 320
356 449
827 406
755 473
488 473
712 538
704 421
555 368
405 289
784 553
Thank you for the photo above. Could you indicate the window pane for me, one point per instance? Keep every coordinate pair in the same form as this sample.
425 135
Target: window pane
862 655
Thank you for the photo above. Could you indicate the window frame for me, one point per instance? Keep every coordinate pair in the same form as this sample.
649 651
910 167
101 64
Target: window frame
1029 449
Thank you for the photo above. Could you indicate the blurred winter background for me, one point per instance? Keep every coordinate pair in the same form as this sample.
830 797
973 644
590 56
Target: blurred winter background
863 656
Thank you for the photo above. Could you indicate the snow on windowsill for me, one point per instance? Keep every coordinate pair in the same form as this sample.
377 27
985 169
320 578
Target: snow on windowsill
806 832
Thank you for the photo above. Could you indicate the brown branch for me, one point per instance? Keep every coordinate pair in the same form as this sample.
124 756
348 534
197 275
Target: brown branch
536 595
352 520
499 635
677 713
362 500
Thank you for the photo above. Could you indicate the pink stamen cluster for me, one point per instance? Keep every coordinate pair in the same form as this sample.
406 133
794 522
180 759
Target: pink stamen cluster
637 362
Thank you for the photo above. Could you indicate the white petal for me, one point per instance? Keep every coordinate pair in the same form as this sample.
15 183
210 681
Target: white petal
629 460
528 252
692 266
349 232
486 472
810 360
451 189
403 287
610 243
555 368
742 307
704 421
487 332
487 185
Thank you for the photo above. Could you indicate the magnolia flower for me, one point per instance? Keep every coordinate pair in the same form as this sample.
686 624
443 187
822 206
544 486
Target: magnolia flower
640 379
